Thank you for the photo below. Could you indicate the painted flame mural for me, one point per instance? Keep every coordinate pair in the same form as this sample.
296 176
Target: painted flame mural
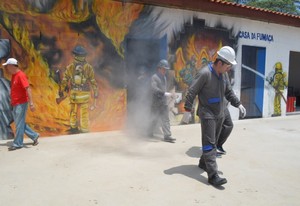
42 39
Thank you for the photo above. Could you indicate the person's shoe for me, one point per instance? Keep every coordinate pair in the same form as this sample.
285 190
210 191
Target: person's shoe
12 148
169 139
220 150
74 131
218 155
217 181
36 141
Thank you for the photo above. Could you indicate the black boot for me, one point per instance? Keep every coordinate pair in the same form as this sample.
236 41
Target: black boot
220 150
216 181
169 139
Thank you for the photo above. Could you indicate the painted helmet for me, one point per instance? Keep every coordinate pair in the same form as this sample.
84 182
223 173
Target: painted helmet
278 67
79 51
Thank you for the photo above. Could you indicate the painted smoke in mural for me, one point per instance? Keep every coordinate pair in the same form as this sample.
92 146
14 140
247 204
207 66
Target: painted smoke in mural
122 42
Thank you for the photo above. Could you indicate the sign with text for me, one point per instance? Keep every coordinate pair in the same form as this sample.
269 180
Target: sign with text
256 36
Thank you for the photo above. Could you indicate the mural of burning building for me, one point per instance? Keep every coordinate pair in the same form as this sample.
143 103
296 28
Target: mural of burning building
120 38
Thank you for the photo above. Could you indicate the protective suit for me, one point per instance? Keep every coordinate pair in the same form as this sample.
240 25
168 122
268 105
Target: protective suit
279 82
79 77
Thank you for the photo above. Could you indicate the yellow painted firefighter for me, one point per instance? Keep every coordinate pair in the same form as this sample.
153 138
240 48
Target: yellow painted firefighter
278 82
80 80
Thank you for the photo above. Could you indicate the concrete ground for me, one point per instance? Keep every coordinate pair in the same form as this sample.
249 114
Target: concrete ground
120 168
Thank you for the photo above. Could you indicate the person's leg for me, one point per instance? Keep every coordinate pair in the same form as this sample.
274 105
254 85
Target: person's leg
73 118
153 120
225 131
165 120
84 117
30 132
210 129
208 158
19 114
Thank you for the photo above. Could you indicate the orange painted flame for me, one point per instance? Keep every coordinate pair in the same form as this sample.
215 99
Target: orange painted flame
114 19
51 119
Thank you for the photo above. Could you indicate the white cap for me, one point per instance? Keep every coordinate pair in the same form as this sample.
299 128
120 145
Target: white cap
12 61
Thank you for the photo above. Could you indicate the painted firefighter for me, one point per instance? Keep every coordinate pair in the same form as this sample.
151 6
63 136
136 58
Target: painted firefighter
77 82
279 83
187 74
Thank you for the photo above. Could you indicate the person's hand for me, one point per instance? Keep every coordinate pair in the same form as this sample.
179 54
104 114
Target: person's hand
242 110
93 107
32 107
168 94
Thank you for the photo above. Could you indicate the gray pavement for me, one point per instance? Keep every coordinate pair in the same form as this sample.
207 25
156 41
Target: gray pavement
121 168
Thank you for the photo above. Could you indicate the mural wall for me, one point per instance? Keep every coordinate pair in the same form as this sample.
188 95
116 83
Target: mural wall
44 36
89 61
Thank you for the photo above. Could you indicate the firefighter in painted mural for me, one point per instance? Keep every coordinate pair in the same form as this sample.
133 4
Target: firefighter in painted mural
278 82
187 74
79 79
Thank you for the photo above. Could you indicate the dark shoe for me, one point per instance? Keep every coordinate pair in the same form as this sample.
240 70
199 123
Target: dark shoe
12 148
74 131
218 155
36 141
220 150
217 181
169 139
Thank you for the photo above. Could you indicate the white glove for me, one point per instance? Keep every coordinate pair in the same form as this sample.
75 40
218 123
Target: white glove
168 94
242 110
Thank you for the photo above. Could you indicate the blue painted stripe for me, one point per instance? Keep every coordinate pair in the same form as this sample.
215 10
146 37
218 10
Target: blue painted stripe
207 147
213 100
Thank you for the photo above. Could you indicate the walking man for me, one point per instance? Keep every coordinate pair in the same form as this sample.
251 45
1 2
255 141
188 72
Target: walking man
20 97
159 108
210 85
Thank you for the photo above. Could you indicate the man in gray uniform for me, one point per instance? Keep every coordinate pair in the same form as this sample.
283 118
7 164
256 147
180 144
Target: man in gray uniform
211 86
159 107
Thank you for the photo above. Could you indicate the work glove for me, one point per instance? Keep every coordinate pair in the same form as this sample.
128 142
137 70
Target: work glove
242 110
168 94
178 99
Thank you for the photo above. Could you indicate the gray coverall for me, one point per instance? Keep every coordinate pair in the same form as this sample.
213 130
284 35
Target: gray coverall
159 107
211 90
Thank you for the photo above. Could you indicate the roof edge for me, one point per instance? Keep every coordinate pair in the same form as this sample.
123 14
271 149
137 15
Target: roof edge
224 7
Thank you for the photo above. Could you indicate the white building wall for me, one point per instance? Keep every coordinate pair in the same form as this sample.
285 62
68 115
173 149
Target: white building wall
285 39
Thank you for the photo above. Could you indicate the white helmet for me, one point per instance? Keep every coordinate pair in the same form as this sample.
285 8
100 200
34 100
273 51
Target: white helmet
228 54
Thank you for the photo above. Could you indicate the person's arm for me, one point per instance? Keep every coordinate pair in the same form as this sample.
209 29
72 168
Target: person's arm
31 104
157 91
